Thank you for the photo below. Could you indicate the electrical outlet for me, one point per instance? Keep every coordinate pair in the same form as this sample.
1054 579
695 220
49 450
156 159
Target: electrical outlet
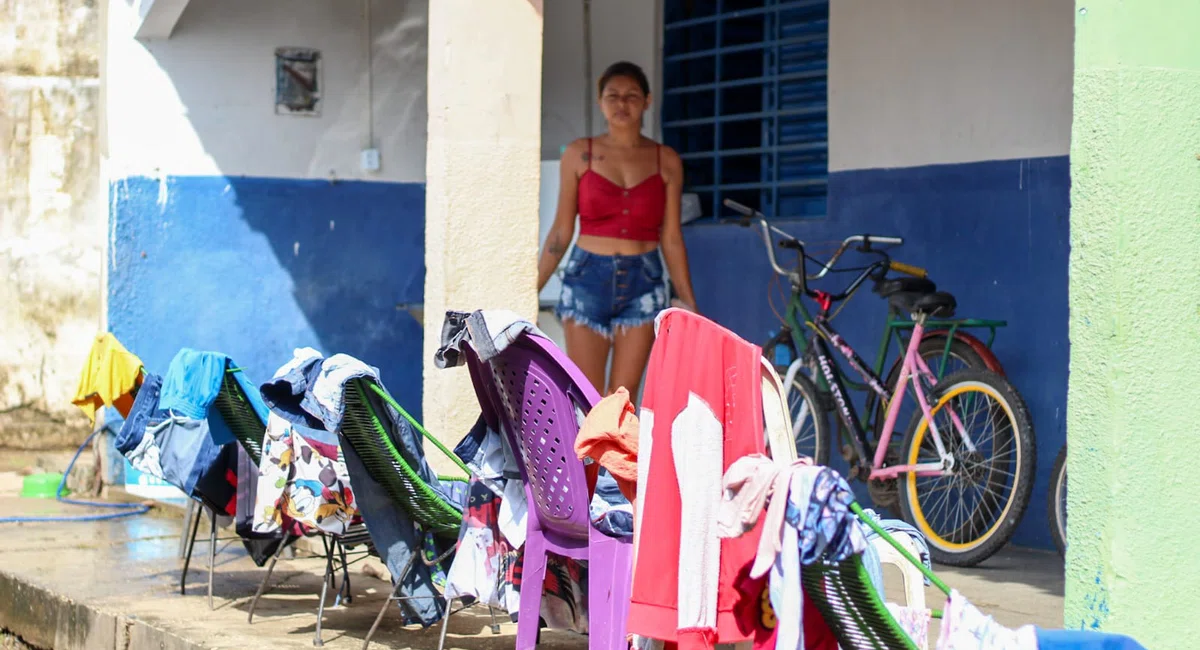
370 160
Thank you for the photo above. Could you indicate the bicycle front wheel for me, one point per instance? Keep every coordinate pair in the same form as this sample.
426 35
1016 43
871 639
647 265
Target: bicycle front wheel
972 511
810 421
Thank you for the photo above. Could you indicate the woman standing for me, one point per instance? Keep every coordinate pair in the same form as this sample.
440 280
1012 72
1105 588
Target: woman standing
626 189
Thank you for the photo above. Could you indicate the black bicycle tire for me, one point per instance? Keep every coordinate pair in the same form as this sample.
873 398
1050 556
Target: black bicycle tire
1058 483
802 385
1026 465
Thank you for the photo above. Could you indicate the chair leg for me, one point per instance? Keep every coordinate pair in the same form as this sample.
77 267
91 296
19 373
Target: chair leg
187 559
532 582
344 594
495 626
188 514
212 554
317 641
445 625
263 585
382 610
394 596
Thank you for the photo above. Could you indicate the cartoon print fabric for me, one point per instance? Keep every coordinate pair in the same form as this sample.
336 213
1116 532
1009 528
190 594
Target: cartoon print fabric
302 482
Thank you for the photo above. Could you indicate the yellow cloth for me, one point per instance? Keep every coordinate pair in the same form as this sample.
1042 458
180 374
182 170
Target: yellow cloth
109 377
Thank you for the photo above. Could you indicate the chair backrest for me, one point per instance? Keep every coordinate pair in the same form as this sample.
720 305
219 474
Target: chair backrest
234 407
363 429
534 389
851 607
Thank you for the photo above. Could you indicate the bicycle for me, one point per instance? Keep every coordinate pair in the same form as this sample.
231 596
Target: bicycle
1056 509
945 343
983 525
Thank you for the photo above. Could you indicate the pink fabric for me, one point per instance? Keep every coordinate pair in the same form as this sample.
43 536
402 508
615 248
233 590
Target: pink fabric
748 484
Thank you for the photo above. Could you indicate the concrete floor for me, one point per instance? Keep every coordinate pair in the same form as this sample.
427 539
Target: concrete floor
124 575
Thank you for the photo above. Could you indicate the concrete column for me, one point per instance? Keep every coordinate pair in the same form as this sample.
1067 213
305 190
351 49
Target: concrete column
1134 395
482 173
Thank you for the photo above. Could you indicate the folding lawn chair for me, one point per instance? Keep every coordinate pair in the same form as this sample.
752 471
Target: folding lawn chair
363 428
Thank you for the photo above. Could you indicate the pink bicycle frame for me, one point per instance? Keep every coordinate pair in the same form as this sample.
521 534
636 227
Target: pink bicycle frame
914 366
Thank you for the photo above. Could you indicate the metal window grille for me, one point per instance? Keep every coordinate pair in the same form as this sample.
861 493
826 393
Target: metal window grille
744 102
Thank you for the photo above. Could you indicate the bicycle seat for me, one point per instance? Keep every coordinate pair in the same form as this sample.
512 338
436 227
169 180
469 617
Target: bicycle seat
938 304
893 286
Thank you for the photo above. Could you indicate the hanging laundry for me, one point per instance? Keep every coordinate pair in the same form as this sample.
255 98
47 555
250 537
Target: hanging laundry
110 376
702 410
914 622
487 567
309 391
609 436
611 512
487 331
132 440
187 431
964 627
302 483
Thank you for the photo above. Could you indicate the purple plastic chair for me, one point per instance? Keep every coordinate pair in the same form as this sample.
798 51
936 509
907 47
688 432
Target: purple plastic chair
532 388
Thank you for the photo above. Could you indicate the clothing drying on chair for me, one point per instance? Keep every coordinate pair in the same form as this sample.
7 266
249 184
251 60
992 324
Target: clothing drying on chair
110 376
609 436
310 391
701 411
303 483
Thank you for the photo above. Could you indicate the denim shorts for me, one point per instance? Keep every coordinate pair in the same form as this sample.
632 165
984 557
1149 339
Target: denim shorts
609 292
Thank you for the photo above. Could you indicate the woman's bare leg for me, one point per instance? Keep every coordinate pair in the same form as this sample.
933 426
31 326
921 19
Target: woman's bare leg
631 350
589 350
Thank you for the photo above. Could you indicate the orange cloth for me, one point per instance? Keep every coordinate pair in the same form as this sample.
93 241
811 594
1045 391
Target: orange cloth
609 436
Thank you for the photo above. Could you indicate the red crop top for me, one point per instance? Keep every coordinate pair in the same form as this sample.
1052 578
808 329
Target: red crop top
609 210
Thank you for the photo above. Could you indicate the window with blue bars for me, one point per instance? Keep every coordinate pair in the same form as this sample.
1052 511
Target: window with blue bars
744 102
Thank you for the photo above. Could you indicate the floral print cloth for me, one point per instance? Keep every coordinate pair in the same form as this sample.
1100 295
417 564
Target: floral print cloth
302 482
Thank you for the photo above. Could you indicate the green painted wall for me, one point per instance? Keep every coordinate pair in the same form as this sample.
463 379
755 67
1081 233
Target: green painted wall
1133 408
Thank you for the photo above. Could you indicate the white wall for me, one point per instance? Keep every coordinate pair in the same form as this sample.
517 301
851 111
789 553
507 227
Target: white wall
620 30
916 82
51 218
208 91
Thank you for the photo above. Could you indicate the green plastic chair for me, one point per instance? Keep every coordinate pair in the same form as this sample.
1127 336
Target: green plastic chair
234 407
363 429
240 417
852 608
249 431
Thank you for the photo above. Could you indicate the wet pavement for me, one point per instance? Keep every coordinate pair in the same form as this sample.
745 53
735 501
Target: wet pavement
124 574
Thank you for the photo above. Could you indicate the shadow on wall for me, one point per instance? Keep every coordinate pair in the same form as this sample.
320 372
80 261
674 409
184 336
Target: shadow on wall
259 260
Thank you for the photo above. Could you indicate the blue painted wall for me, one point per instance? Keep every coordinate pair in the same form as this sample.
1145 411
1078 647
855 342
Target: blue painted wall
254 267
995 234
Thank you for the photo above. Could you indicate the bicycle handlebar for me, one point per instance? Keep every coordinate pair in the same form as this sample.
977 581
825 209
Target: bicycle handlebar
750 215
907 269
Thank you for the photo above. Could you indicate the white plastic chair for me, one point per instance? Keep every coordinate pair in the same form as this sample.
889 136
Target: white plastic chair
914 581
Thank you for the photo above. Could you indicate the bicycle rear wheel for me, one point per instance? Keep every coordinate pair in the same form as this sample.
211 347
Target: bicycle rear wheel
1057 507
972 512
961 356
